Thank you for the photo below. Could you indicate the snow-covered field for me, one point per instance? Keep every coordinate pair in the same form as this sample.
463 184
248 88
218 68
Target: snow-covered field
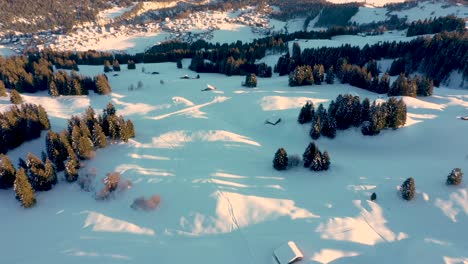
209 155
5 51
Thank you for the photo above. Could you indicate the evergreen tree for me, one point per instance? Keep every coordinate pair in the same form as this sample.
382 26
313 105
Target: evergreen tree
408 189
43 177
309 154
15 97
179 64
315 129
365 110
329 127
130 128
373 196
318 73
98 136
71 169
107 66
2 89
7 172
306 113
250 80
322 113
116 65
325 160
455 177
23 189
102 84
317 162
425 87
330 77
131 65
384 84
280 162
296 53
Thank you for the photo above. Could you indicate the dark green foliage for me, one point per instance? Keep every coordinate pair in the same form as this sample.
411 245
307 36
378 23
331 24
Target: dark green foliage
307 113
2 89
384 84
250 80
329 127
325 160
396 113
20 124
131 65
455 177
365 110
432 26
15 97
71 169
372 68
81 143
107 66
42 176
348 111
373 196
330 77
315 129
56 150
179 64
337 15
398 67
102 84
23 189
425 86
408 189
7 172
318 73
320 161
403 86
302 75
98 136
309 154
296 53
280 161
116 65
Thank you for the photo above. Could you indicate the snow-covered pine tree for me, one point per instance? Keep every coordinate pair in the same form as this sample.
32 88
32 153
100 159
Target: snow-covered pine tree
280 161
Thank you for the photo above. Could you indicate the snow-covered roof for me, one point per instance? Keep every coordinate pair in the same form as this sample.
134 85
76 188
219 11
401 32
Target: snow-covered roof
288 253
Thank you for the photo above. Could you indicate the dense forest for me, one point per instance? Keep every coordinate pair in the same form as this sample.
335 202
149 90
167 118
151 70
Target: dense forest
35 73
435 57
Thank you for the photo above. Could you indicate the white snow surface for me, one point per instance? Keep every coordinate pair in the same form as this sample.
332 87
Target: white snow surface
209 156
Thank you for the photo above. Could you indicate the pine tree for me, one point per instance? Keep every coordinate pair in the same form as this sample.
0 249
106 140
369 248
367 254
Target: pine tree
102 84
98 136
309 154
15 97
296 53
43 177
325 160
7 172
179 64
315 129
365 110
23 189
306 113
408 189
318 73
317 162
131 65
280 162
455 177
53 91
250 80
116 65
329 127
2 89
330 77
71 169
107 66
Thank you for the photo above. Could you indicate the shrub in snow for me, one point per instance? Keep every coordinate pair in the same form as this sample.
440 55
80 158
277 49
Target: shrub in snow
373 197
408 189
294 160
112 182
142 203
250 80
455 177
280 162
86 181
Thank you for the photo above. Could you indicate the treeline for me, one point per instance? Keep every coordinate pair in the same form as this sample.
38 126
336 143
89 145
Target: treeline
64 151
435 57
34 73
337 15
348 111
21 124
432 26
